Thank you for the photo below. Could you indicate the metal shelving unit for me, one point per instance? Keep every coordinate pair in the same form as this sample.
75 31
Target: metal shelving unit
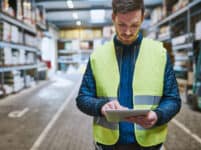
16 22
181 26
30 69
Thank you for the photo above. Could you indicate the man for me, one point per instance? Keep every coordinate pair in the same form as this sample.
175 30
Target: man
129 72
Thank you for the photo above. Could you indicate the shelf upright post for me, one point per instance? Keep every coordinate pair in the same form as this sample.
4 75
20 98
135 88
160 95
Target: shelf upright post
2 73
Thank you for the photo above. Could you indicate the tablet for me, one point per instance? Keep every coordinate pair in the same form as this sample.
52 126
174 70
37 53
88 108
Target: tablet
120 115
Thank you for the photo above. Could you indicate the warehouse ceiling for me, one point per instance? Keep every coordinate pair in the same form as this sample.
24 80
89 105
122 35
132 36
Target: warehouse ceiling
87 13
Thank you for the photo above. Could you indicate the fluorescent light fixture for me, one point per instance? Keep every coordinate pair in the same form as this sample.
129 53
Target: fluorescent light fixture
97 15
69 4
75 16
78 23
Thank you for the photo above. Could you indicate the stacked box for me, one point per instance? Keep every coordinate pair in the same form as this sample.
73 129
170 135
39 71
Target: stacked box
22 58
7 8
30 58
15 57
20 37
29 80
27 12
156 15
14 34
30 40
19 14
7 54
14 80
6 32
8 89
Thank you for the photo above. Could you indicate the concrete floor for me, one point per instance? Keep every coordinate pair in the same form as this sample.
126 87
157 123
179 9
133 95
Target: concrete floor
45 118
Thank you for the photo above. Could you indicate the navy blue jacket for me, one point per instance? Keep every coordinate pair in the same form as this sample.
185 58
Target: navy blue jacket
126 55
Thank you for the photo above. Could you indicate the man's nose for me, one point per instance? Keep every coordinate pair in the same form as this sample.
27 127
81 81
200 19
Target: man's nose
128 31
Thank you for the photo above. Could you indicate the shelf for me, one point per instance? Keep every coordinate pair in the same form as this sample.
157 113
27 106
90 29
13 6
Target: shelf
67 62
67 51
183 46
66 40
18 46
179 58
180 69
42 69
13 68
182 39
16 22
41 26
164 38
177 13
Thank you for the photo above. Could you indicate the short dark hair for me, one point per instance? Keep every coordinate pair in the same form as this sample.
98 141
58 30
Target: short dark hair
124 6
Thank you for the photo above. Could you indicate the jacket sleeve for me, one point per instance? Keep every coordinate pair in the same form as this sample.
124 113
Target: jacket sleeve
87 100
170 103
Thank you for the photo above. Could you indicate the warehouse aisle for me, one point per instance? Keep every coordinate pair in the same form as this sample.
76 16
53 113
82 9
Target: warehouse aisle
24 116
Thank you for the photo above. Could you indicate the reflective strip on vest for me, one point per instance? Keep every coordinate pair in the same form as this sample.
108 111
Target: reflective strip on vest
104 123
146 100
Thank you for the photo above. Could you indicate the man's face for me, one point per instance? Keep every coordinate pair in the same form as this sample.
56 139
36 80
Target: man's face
127 25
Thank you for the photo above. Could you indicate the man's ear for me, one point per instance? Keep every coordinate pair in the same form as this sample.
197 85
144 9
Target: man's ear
113 17
142 18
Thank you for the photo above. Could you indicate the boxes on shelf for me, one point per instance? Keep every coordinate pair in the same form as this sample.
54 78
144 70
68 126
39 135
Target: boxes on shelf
7 56
190 78
5 31
157 15
8 89
180 4
40 15
20 38
9 33
19 13
22 58
30 58
183 39
164 32
30 40
88 44
27 12
15 56
108 32
29 81
13 79
14 34
8 7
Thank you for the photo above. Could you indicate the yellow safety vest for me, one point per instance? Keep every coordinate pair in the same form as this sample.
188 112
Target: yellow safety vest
147 89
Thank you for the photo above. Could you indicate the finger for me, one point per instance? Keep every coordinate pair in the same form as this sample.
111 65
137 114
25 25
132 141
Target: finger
112 105
117 105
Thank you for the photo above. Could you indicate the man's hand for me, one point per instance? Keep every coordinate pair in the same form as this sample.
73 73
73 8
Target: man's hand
146 121
112 105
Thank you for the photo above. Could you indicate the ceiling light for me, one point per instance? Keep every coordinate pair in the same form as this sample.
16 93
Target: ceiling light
70 4
97 15
78 23
75 16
